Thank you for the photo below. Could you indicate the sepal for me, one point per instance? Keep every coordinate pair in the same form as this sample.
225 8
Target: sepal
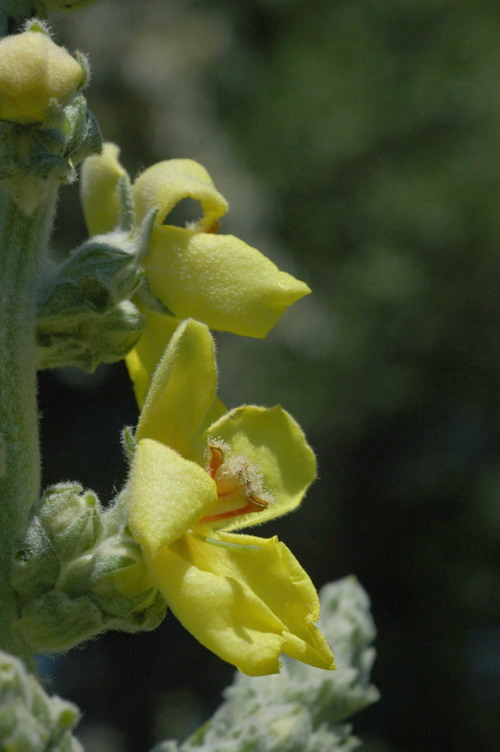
43 155
58 621
94 278
84 314
98 339
84 136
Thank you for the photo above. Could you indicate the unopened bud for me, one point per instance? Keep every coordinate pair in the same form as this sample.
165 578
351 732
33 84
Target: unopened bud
35 74
71 518
66 523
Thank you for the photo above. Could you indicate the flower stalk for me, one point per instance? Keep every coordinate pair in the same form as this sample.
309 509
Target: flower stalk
23 244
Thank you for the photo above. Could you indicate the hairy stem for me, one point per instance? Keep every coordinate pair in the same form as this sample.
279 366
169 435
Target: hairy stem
23 244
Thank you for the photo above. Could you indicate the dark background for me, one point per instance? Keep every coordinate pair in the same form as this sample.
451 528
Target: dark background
358 143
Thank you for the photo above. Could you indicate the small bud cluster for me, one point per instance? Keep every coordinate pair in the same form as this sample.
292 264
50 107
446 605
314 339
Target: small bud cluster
29 718
85 316
79 574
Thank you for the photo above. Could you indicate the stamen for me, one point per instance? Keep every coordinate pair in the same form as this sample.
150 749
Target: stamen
231 513
214 227
216 458
262 503
224 544
234 477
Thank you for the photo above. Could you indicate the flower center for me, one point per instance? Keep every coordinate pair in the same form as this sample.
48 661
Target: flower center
239 484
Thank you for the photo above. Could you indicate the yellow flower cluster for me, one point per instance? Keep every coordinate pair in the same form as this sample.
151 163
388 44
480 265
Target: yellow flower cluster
194 271
200 472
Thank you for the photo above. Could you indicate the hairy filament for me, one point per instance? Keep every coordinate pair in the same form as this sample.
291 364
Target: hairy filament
224 544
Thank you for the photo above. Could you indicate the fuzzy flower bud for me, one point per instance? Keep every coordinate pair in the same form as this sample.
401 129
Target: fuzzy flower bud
35 73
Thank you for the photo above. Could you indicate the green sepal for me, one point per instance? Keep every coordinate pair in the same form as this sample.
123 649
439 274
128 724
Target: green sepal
88 343
122 608
35 157
95 278
128 443
95 572
85 316
151 301
57 621
84 135
36 567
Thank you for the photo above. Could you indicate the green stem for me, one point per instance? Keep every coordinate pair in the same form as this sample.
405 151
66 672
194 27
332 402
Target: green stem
23 244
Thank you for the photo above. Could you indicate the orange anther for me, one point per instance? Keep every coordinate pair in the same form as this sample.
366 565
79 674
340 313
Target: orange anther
216 459
234 512
214 227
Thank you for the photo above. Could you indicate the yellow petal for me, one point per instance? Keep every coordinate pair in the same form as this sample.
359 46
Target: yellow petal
275 444
143 359
99 190
163 185
219 280
276 577
219 611
168 494
182 390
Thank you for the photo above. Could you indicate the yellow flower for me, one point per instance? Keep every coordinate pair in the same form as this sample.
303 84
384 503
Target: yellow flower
193 271
198 474
34 72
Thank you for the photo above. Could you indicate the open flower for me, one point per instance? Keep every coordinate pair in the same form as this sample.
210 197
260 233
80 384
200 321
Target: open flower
193 271
198 474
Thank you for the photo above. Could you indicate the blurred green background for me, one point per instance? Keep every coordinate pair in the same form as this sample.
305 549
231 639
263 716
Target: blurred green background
358 143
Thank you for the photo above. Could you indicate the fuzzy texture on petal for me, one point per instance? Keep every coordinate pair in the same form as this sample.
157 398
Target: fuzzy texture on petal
220 612
182 391
33 71
246 606
245 598
168 494
220 280
100 176
143 359
163 185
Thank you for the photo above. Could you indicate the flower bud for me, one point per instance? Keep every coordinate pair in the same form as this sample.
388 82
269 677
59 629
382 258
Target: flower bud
71 519
35 73
66 523
80 573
